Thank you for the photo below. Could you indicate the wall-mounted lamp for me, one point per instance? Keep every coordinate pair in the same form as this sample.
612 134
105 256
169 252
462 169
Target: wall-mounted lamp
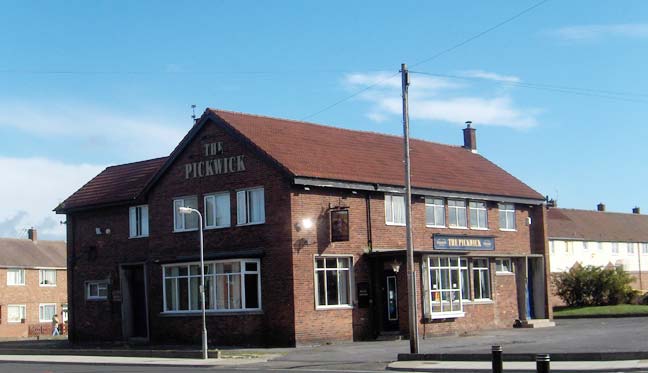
527 221
395 265
304 224
98 231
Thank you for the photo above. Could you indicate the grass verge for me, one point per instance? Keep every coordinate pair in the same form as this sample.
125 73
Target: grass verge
603 311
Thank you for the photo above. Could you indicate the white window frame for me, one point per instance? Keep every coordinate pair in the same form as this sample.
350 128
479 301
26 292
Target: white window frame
480 207
484 275
389 209
644 248
41 308
614 248
181 202
99 284
40 277
457 212
338 269
243 206
227 221
242 272
22 312
23 276
429 266
507 210
138 221
630 248
433 204
499 266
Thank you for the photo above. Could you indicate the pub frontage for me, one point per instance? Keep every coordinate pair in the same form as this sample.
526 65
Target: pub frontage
304 239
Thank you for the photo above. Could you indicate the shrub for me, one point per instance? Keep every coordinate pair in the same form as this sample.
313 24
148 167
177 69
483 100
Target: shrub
594 286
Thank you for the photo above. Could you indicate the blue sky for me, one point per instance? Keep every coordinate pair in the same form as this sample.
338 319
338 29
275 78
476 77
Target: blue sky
558 95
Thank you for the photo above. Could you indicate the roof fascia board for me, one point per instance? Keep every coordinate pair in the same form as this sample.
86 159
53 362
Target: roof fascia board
64 210
584 239
418 191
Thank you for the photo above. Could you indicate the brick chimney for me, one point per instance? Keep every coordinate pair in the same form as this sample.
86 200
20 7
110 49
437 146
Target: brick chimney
470 139
636 210
32 234
600 207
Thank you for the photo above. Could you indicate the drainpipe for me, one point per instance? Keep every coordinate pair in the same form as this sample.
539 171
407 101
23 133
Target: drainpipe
71 263
368 213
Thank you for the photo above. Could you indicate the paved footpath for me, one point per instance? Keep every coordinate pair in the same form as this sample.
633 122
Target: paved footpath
519 366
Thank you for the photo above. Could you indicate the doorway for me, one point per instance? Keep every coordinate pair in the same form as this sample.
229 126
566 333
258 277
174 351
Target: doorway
134 302
390 301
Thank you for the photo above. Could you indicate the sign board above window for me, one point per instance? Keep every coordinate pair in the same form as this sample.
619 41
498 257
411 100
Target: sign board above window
459 242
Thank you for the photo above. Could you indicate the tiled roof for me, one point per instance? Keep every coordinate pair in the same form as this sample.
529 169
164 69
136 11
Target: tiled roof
312 150
323 152
114 184
27 253
597 225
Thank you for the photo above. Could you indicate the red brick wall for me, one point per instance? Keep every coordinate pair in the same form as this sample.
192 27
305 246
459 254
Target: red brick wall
31 295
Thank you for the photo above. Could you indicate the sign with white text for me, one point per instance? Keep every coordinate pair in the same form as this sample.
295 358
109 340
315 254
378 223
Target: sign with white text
449 242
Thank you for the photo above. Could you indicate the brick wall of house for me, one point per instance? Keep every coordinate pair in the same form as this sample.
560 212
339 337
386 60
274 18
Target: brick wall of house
31 295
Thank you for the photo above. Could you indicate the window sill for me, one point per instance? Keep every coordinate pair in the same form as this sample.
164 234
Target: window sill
326 308
247 224
508 230
456 227
217 227
97 299
445 315
47 286
211 313
504 273
483 301
15 284
135 237
478 229
395 224
435 226
185 230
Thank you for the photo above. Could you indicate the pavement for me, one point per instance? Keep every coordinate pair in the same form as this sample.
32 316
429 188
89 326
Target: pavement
618 344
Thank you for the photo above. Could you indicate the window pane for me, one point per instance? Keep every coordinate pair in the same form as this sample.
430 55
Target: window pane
222 292
194 292
331 262
389 212
169 293
332 288
235 291
485 285
319 262
183 294
250 266
344 287
465 284
191 220
321 289
257 206
251 290
210 211
179 219
223 210
399 209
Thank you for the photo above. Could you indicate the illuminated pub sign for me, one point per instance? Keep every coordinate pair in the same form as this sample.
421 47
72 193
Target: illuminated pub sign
448 242
214 165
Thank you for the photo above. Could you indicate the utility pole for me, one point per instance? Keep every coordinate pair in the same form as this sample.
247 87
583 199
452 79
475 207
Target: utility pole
411 277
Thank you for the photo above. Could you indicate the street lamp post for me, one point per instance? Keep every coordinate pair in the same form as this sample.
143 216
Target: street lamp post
187 211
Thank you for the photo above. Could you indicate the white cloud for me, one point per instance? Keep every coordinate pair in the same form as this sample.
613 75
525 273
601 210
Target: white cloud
592 32
138 136
32 187
439 99
490 76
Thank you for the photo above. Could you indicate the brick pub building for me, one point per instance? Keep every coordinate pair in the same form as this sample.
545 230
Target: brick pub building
304 239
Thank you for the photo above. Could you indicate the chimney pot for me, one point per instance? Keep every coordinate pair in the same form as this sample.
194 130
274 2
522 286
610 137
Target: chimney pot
32 234
636 210
470 138
600 207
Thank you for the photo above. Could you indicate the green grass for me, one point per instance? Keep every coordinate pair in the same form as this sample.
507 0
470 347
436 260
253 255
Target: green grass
620 309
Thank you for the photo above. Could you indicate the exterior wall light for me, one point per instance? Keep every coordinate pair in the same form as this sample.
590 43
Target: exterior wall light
395 265
307 223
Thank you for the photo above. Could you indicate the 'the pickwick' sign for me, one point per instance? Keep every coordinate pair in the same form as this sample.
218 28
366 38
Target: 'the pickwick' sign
215 165
449 242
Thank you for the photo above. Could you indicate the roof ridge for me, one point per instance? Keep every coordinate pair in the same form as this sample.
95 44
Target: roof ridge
329 126
605 212
130 163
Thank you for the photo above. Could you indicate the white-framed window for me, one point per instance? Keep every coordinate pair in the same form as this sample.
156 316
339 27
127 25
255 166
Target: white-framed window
552 247
185 222
434 212
16 313
46 312
465 280
250 206
217 210
230 285
47 277
138 221
445 288
64 312
644 248
585 246
478 215
481 279
615 248
394 209
457 213
333 282
503 265
507 216
631 248
15 276
97 290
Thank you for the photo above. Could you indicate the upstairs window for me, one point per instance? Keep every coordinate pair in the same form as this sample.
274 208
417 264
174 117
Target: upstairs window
217 210
47 277
139 222
631 250
434 212
394 209
507 216
478 215
185 222
457 212
615 248
250 206
15 276
644 248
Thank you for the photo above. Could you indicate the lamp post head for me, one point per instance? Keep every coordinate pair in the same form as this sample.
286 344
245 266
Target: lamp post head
185 210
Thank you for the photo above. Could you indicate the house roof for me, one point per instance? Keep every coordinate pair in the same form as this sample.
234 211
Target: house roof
596 225
321 152
27 253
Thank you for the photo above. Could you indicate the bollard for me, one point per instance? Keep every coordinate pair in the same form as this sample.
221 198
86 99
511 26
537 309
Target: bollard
497 359
542 363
